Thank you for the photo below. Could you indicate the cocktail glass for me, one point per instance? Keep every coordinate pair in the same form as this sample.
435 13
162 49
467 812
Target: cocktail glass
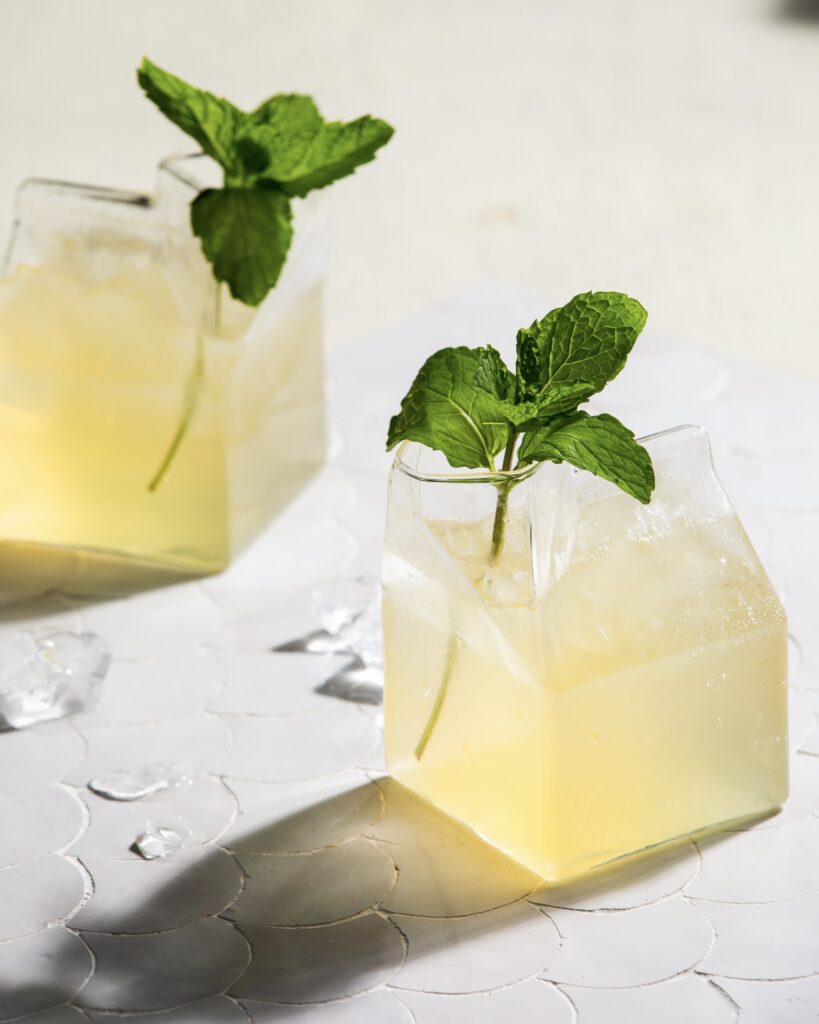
150 425
614 681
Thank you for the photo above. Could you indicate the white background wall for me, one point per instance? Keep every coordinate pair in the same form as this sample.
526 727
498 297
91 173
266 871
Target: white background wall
668 149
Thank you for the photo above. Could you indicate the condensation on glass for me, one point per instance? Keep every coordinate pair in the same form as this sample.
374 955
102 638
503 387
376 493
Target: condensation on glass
616 680
150 425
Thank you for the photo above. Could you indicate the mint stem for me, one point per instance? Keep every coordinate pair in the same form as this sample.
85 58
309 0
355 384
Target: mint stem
191 399
440 696
499 525
498 534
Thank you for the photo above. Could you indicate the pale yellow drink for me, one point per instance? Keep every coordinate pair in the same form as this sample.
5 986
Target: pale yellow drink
639 695
139 426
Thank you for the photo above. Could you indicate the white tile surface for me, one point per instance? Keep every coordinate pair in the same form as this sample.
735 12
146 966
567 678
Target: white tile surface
143 896
759 866
198 742
277 749
763 940
781 1002
682 1000
478 953
39 893
459 933
157 688
296 817
271 683
205 810
531 1002
32 758
158 622
38 821
381 1006
625 948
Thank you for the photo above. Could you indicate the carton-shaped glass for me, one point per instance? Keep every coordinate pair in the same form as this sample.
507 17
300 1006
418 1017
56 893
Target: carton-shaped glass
150 425
616 679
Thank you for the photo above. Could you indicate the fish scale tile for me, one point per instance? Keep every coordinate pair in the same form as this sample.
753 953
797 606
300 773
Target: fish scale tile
137 896
314 965
165 970
476 953
41 971
35 894
38 821
277 749
531 1002
683 1000
204 810
627 948
313 888
343 900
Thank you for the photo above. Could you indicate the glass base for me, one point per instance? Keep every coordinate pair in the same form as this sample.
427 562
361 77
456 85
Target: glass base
31 570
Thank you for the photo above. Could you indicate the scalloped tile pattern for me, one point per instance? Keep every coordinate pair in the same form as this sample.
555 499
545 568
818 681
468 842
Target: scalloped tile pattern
312 890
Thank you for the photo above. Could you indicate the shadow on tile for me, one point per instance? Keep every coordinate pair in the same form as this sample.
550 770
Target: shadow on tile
805 11
319 917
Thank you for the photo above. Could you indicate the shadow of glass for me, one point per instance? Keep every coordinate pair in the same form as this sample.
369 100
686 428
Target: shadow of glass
329 894
800 10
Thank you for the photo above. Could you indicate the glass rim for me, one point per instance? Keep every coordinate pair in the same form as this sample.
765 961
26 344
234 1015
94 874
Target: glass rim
480 475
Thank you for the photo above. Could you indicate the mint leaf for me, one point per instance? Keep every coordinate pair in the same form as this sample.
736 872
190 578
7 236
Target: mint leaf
492 374
304 153
550 401
245 234
212 121
275 137
454 407
586 342
282 148
599 444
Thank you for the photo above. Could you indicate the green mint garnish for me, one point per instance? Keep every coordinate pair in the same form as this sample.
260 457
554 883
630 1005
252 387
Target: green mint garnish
282 149
467 404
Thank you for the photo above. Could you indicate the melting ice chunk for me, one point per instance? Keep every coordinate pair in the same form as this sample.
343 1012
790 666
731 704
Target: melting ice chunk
350 613
133 784
356 683
159 840
339 603
49 674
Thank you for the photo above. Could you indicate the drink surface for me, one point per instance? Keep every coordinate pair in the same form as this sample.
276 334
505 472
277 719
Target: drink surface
635 696
97 367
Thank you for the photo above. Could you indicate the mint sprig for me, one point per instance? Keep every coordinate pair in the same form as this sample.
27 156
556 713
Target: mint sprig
282 149
467 404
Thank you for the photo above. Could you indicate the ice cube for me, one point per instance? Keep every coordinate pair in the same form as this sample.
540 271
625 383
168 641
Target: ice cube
362 636
341 602
350 614
50 674
159 840
356 683
133 784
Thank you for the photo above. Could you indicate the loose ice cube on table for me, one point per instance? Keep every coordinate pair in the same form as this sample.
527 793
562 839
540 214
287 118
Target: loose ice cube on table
50 674
159 840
